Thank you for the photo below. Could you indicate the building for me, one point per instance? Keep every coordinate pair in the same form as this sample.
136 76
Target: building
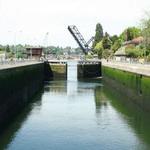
120 54
34 53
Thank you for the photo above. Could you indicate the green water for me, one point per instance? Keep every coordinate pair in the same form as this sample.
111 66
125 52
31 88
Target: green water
78 115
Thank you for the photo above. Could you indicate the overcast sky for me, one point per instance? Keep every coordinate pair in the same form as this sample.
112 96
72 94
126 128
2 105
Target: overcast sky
28 21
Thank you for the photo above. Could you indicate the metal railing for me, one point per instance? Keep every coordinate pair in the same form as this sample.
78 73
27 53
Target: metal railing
57 61
131 62
89 62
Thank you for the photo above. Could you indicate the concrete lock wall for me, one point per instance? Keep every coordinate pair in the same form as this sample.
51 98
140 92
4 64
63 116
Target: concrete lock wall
89 70
17 86
55 71
134 87
59 71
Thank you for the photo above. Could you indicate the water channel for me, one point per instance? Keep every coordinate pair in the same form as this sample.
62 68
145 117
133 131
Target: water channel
78 115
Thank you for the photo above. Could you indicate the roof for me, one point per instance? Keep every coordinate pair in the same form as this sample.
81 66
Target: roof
135 41
34 48
138 40
34 51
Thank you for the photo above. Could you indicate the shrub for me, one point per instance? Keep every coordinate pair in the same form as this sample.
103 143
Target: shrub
133 51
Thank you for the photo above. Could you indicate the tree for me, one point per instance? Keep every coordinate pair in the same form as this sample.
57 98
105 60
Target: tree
7 49
99 49
130 33
107 53
106 41
114 38
133 52
146 32
116 45
98 34
2 48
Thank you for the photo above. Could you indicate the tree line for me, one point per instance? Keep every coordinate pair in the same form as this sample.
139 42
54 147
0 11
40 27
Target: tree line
19 51
105 45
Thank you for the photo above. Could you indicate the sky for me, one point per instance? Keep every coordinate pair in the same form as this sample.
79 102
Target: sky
44 22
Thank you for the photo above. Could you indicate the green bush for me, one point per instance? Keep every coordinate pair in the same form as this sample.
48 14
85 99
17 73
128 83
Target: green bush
116 45
89 56
99 49
130 33
133 51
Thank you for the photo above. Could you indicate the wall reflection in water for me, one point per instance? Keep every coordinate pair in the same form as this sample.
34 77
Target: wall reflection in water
7 136
78 115
133 115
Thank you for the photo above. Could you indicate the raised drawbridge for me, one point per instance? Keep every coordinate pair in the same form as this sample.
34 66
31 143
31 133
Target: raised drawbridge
79 39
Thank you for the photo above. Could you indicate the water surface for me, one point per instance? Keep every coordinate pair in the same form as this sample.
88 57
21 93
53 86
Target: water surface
84 115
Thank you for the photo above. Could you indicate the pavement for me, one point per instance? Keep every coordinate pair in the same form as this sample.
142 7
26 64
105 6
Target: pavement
143 69
7 65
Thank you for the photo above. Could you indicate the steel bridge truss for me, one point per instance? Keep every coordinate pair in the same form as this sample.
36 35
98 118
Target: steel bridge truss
79 39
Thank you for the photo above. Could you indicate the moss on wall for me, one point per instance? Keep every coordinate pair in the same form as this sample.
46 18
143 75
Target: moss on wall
134 86
59 71
123 77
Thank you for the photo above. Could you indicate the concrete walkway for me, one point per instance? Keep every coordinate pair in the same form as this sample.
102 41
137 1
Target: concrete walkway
143 69
17 64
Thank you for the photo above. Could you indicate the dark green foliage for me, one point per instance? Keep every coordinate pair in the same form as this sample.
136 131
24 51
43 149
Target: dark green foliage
98 34
99 49
133 52
146 32
103 48
7 49
117 44
114 38
106 41
130 33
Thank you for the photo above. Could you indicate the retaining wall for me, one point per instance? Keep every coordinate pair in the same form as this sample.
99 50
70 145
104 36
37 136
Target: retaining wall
89 70
55 71
135 87
17 86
